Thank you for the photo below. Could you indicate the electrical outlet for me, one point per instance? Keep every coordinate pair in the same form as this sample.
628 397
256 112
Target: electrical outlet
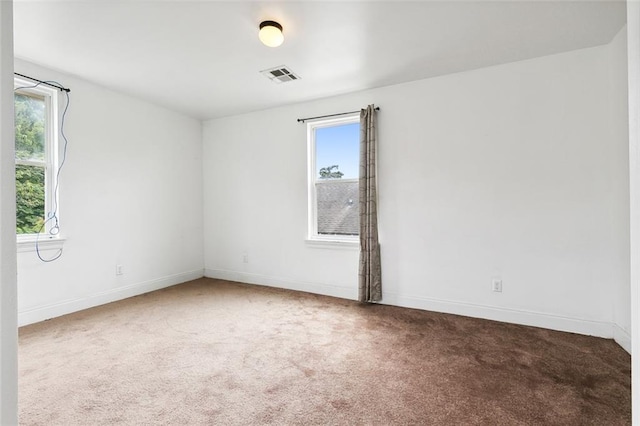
245 258
496 285
118 269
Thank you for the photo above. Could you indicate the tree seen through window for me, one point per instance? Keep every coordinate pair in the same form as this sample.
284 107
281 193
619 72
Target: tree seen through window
30 162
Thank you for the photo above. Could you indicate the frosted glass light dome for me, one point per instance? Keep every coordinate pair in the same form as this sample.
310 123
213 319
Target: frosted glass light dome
271 33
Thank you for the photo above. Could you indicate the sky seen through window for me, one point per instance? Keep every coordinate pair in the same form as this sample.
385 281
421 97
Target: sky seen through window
339 145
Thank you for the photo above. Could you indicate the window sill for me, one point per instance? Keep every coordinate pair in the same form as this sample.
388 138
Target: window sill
334 244
28 244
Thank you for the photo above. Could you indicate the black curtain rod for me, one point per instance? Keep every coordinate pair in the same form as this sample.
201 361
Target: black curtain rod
46 83
302 120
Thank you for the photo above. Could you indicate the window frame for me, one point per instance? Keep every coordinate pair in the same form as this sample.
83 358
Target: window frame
50 162
312 208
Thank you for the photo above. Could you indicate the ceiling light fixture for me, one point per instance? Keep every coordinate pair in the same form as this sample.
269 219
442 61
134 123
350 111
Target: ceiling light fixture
271 33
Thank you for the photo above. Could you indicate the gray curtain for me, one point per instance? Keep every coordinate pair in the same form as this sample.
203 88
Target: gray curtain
369 274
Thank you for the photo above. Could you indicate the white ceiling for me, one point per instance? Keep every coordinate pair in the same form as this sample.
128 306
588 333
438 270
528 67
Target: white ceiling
203 58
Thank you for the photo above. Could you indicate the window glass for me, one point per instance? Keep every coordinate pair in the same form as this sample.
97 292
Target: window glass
334 182
34 155
30 201
338 147
30 126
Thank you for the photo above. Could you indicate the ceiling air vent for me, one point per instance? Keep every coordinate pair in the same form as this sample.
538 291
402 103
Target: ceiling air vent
280 74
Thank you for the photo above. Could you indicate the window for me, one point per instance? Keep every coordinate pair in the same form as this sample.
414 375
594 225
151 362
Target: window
36 157
334 156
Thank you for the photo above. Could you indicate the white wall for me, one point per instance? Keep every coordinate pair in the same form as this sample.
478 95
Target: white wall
8 312
130 194
619 144
633 49
505 171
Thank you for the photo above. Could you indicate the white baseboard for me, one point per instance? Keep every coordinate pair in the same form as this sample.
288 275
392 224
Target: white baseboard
41 313
622 337
530 318
535 319
514 316
309 287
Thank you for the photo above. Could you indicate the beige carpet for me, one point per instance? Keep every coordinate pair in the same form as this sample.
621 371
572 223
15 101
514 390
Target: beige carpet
220 353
